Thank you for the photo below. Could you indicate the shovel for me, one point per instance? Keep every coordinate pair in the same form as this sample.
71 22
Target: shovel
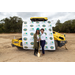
39 54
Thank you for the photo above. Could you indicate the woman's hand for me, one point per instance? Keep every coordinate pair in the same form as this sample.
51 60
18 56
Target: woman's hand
39 39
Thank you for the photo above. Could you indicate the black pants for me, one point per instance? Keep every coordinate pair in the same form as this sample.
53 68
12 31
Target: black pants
42 42
36 50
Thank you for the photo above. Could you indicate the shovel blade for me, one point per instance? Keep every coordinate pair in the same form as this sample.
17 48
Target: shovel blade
38 54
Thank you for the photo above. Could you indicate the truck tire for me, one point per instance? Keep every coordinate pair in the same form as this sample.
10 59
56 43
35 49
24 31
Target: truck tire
56 44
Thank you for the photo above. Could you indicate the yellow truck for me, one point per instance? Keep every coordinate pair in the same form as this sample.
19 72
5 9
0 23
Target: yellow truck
59 39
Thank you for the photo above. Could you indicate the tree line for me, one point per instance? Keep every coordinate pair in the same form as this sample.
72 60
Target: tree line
14 25
11 25
66 27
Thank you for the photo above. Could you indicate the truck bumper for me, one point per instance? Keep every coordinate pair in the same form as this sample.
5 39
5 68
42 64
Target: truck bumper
61 43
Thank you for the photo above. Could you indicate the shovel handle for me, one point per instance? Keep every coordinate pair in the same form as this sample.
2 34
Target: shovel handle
39 46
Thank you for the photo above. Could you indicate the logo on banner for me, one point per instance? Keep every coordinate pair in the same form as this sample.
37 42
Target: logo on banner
37 22
25 34
49 29
32 22
32 46
31 29
46 47
32 43
50 25
51 38
31 25
45 33
25 29
31 34
25 38
38 25
50 34
46 38
25 25
52 47
51 43
25 43
44 21
32 38
45 42
43 25
49 22
25 47
25 22
45 29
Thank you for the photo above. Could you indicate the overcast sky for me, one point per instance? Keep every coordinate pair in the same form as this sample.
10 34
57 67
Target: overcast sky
52 16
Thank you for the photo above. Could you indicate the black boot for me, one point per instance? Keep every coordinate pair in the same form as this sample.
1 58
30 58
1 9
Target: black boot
35 52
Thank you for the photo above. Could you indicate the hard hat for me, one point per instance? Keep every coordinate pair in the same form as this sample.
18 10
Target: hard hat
37 29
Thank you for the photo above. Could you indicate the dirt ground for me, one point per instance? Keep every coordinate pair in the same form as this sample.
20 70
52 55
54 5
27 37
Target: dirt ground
12 54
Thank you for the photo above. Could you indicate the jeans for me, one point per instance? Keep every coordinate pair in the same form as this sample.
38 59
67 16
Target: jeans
42 43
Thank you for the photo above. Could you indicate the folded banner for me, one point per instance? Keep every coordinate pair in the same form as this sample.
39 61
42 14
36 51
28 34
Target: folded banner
28 30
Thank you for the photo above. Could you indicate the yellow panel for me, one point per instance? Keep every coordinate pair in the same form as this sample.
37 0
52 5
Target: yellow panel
57 35
39 18
16 44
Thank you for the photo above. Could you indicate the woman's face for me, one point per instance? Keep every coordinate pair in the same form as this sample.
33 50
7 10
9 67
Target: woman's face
38 31
42 31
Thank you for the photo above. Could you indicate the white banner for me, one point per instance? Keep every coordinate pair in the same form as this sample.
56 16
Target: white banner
28 30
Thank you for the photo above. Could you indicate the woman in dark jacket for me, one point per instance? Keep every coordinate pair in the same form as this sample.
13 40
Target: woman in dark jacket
36 41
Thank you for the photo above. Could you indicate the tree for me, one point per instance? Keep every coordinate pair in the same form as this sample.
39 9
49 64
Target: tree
58 22
1 27
13 24
67 26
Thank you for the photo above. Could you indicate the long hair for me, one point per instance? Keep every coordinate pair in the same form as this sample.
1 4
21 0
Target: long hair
36 31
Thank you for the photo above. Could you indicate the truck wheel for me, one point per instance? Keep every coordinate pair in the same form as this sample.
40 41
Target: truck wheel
56 44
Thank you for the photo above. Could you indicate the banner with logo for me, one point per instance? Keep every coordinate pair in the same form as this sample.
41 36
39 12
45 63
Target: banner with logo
29 29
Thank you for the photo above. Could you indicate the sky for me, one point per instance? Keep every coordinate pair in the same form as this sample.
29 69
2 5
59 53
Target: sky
52 16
